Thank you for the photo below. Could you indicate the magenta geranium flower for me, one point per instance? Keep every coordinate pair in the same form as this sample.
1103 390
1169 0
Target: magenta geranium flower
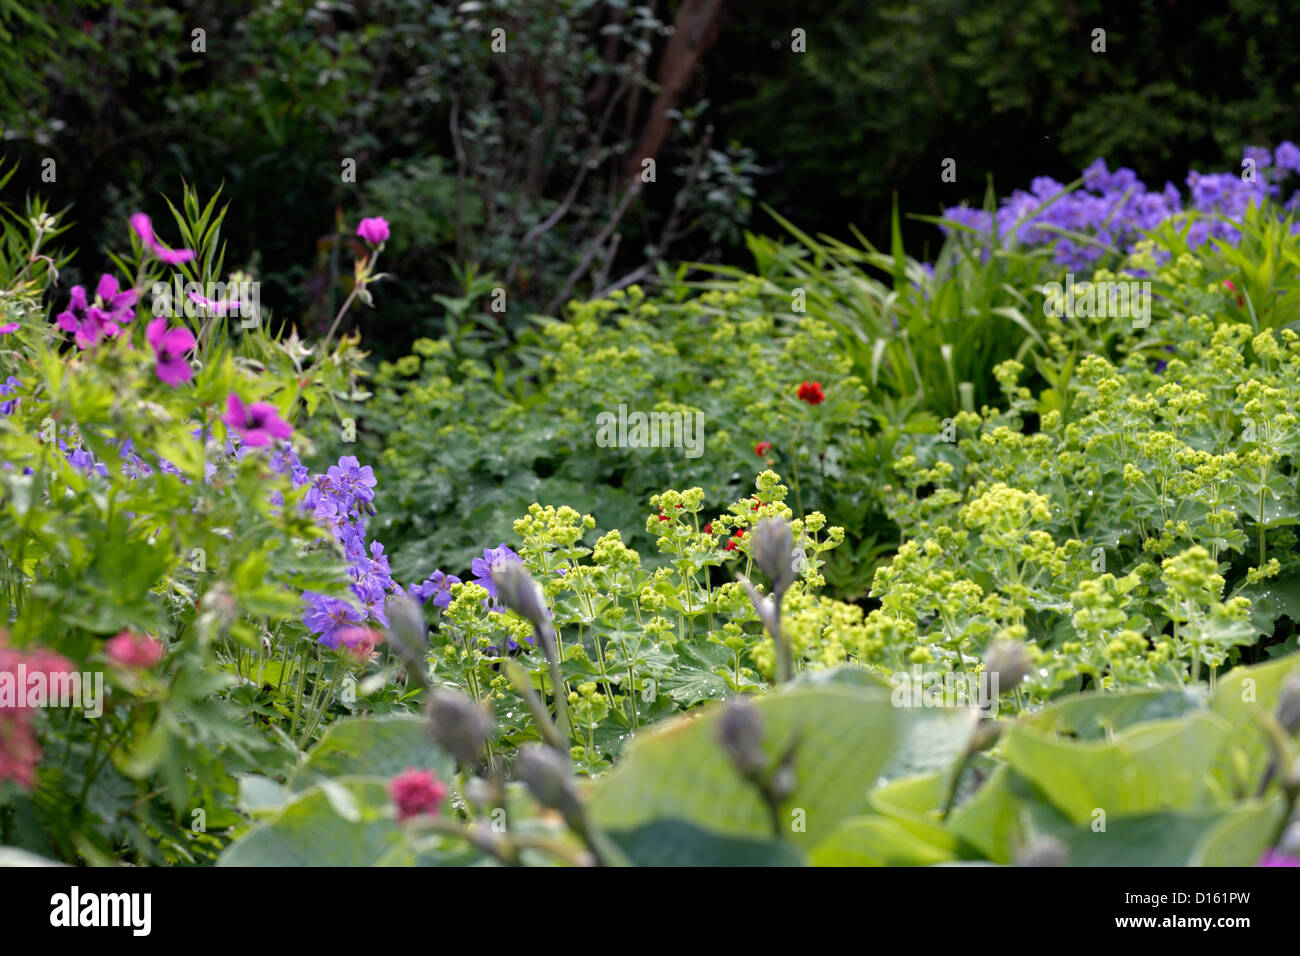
144 229
1277 858
170 345
374 230
257 424
9 327
216 307
416 792
89 322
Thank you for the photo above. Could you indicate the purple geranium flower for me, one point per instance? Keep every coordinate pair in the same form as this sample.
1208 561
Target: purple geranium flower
494 559
144 229
9 386
257 424
326 616
353 480
1287 156
436 587
170 345
1277 858
91 322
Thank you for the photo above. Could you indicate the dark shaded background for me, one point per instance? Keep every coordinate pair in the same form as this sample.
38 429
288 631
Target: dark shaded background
115 94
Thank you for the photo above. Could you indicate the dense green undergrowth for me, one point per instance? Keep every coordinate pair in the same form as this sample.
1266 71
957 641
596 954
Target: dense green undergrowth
874 595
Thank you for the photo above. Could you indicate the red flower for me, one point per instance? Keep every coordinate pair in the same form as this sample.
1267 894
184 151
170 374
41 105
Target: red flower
811 392
762 448
708 528
735 539
662 516
1232 288
416 792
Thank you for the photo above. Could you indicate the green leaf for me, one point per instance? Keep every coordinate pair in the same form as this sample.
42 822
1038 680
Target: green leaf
1095 715
884 841
1237 693
372 747
1240 837
308 832
682 843
13 856
1153 766
679 770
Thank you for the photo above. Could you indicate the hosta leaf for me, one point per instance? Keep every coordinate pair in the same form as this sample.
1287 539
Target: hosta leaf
1094 715
1152 766
845 737
884 841
374 747
309 832
681 843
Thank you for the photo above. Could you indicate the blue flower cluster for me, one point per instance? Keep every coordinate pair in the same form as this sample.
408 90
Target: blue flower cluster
342 499
1112 208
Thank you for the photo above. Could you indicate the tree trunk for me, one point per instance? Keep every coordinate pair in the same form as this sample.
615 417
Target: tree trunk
694 31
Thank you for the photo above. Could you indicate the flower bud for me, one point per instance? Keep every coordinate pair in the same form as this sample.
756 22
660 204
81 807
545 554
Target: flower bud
406 622
740 732
408 635
1288 703
765 608
1292 780
519 592
1009 661
546 774
1043 851
772 547
457 725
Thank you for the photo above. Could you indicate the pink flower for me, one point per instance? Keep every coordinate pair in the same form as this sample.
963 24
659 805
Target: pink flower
19 750
1232 288
216 307
90 323
360 642
257 424
9 327
416 792
133 650
1277 858
144 229
170 346
373 230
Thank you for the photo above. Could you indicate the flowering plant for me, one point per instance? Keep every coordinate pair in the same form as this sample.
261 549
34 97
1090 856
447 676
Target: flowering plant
152 538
